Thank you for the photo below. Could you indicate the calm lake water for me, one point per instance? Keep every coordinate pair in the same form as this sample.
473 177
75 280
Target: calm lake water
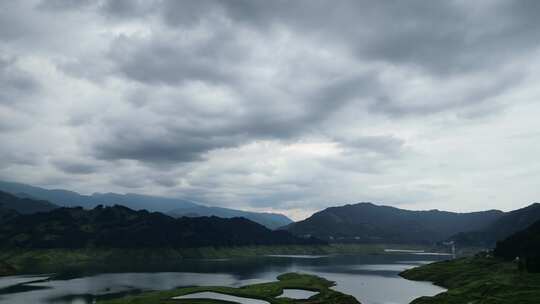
372 279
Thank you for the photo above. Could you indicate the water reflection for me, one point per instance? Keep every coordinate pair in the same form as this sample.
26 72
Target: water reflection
222 297
372 279
298 294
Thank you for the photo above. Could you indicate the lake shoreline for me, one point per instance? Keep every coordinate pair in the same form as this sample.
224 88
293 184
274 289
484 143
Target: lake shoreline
474 279
35 261
370 278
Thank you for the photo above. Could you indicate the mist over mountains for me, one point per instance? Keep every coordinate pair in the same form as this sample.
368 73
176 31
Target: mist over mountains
174 206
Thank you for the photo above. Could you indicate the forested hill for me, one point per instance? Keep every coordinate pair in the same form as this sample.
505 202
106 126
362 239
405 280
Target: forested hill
524 244
23 205
500 229
121 227
367 222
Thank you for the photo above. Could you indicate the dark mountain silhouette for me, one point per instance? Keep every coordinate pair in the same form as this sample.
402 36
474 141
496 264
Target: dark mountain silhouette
177 207
23 205
525 245
500 229
366 222
121 227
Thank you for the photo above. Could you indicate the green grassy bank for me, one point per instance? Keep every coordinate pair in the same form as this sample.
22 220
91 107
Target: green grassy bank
478 280
266 291
23 261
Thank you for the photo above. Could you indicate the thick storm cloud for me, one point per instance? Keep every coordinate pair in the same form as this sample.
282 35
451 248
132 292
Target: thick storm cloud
275 105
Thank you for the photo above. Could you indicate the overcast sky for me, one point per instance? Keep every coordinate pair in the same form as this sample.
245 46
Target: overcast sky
286 106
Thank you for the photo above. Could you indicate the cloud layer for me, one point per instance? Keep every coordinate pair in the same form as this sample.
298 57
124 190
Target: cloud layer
275 105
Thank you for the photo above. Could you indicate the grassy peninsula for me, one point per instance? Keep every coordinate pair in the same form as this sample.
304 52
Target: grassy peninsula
478 280
266 291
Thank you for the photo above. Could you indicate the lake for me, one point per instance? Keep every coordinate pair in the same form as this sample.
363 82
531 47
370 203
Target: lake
372 279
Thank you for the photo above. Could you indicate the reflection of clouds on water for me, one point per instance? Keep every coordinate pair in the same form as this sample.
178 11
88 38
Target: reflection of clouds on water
417 252
83 289
298 294
375 289
432 253
14 280
297 256
404 250
220 296
385 267
415 263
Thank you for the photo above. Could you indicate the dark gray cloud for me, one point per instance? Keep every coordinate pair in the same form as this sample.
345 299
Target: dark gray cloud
441 37
15 84
61 5
11 27
171 140
163 147
165 61
190 12
464 102
127 8
446 39
75 166
386 32
13 158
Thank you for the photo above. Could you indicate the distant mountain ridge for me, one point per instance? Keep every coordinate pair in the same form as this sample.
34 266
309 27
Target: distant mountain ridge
370 223
177 207
24 205
510 223
121 227
270 220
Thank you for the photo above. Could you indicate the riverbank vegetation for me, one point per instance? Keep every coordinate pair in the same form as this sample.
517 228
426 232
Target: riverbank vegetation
269 292
478 280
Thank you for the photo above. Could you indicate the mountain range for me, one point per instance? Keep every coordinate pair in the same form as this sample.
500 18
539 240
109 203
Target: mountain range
174 206
370 223
121 227
24 205
356 223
